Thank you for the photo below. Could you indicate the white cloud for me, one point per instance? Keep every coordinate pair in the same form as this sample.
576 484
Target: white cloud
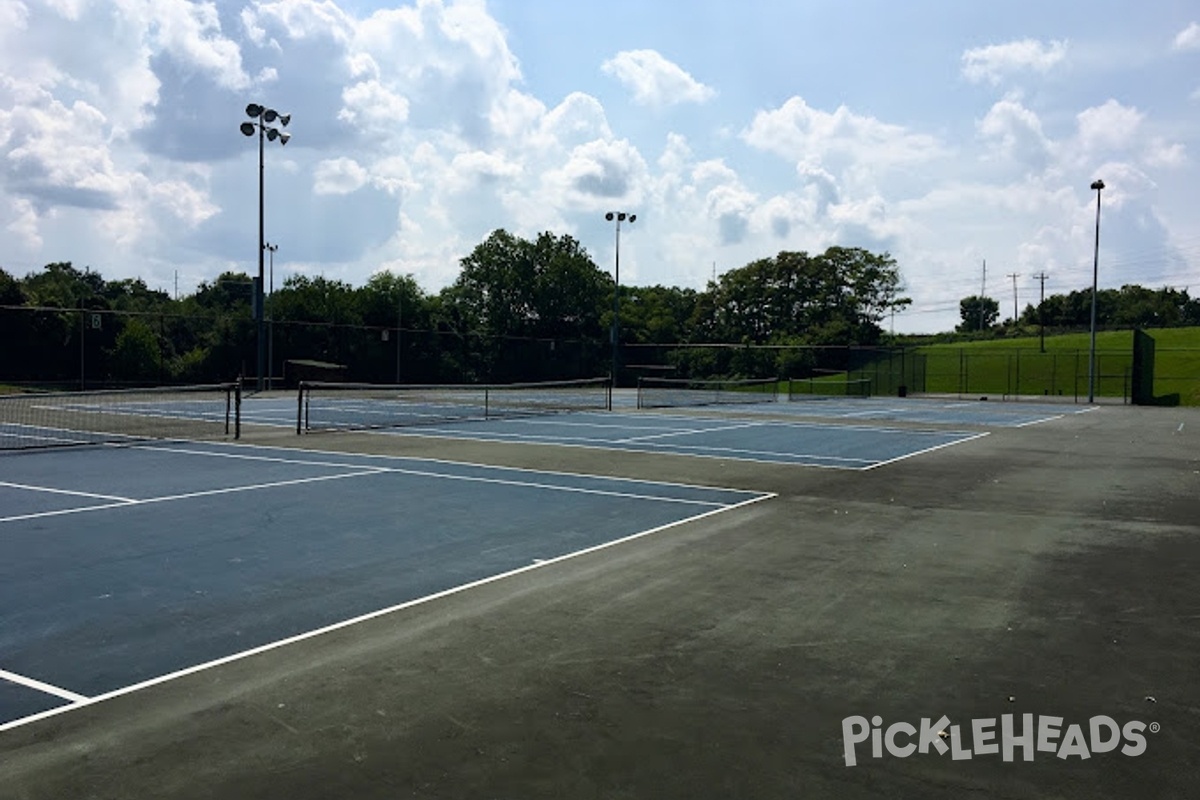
371 106
1188 38
339 176
802 133
654 80
477 168
598 173
993 62
1111 126
1017 130
1160 153
191 33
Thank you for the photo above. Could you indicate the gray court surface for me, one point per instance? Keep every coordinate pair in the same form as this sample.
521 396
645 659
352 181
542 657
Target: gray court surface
1043 573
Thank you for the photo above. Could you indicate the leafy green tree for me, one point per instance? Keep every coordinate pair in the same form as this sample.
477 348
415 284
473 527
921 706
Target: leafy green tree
511 292
61 285
136 356
837 297
978 313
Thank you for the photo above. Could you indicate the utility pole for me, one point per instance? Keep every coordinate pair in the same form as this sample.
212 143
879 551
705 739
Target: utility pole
1041 276
982 293
1014 276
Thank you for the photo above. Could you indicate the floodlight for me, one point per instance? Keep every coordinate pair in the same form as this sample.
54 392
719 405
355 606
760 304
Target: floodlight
248 128
283 138
284 119
609 216
1097 185
632 217
254 110
272 134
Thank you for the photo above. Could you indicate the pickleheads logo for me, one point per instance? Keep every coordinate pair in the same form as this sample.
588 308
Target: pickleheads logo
1040 734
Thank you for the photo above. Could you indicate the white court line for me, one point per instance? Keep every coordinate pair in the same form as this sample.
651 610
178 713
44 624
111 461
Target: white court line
554 488
558 422
426 474
1037 421
492 467
691 432
48 490
606 445
205 493
45 688
711 449
927 450
87 701
357 474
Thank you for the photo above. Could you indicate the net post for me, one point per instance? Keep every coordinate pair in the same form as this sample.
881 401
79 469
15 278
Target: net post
299 406
237 410
486 398
608 399
227 393
639 392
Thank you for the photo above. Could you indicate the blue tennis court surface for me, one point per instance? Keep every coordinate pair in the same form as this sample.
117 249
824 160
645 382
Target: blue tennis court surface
702 432
122 566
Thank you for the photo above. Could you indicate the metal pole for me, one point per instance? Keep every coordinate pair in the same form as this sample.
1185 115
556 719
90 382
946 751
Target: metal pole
616 329
271 327
1098 185
399 324
258 300
82 357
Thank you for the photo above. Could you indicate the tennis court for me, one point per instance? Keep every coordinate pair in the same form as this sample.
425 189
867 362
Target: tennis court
123 566
494 600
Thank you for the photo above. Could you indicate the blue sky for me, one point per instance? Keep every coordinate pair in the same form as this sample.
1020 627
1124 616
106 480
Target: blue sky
945 133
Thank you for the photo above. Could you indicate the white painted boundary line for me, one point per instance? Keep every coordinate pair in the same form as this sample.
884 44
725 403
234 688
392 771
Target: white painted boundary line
188 495
606 445
928 450
691 432
88 701
489 467
40 686
444 461
70 492
1038 421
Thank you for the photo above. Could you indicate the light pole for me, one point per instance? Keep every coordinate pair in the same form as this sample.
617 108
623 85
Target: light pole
271 248
1098 186
263 118
619 216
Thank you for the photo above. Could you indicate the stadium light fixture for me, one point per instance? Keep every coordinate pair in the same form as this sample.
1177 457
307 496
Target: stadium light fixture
264 119
619 217
1097 187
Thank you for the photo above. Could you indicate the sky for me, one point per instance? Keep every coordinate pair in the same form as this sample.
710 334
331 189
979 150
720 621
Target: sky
948 134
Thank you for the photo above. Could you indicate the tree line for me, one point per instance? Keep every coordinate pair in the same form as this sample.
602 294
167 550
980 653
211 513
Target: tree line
520 309
1131 306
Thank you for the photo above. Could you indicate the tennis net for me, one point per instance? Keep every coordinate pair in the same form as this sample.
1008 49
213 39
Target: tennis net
324 406
826 388
51 419
682 392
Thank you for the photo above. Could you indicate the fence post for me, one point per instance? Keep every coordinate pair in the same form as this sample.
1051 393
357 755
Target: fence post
1017 396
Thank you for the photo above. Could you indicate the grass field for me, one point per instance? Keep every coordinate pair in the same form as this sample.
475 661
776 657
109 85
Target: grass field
1018 366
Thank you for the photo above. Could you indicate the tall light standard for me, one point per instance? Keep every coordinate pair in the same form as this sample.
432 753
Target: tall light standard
271 248
1098 186
264 118
619 216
